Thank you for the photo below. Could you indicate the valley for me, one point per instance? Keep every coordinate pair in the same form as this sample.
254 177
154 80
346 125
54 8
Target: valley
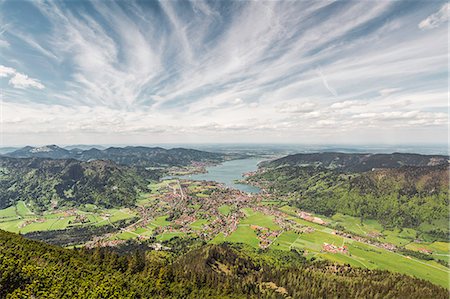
178 208
278 222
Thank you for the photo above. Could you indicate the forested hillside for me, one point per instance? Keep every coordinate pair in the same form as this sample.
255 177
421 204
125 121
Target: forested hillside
48 183
359 162
130 155
398 197
34 269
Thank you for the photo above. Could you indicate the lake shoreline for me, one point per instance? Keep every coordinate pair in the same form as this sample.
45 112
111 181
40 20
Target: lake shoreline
227 173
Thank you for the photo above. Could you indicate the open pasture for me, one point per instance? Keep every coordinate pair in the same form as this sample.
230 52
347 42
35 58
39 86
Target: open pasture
258 218
363 255
244 234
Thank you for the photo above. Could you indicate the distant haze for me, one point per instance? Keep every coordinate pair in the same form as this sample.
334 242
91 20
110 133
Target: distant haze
279 149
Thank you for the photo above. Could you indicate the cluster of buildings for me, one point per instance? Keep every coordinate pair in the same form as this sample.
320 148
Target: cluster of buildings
308 217
334 249
101 241
187 202
265 235
36 220
386 246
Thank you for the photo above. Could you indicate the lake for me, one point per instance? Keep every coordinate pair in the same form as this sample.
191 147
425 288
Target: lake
227 172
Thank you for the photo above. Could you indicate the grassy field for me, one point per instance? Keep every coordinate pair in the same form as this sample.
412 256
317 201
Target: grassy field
122 214
258 218
198 224
354 224
125 236
146 232
220 238
12 226
244 234
169 235
140 230
196 206
367 228
50 224
156 187
19 218
363 255
437 247
359 254
285 241
224 209
399 238
146 199
440 250
160 221
8 213
22 209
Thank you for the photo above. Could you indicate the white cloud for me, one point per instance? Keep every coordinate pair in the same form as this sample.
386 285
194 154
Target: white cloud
346 104
4 43
19 80
6 71
304 107
436 19
237 101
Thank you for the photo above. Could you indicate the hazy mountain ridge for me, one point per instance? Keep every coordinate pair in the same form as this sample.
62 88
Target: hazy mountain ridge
359 162
44 182
130 155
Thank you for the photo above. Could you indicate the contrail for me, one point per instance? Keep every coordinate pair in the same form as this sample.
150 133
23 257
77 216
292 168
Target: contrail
325 83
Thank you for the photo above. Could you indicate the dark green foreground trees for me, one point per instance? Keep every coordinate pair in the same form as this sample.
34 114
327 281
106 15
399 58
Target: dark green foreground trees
33 269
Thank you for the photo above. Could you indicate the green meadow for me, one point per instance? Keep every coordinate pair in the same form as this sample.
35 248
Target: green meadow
224 209
359 254
169 235
260 219
219 238
159 221
363 255
8 213
244 234
19 218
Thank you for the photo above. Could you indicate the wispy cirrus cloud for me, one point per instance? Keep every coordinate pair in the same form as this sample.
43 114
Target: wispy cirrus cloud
169 70
436 19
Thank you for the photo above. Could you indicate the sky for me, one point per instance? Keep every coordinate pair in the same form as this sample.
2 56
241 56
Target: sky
107 72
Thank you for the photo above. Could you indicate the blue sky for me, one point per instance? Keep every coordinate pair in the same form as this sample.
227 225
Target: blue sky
223 71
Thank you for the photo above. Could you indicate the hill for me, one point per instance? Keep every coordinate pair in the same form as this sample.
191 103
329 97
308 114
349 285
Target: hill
34 269
408 196
49 183
130 155
359 162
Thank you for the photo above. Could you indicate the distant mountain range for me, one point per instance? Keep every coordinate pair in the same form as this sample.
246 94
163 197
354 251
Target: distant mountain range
130 155
359 162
